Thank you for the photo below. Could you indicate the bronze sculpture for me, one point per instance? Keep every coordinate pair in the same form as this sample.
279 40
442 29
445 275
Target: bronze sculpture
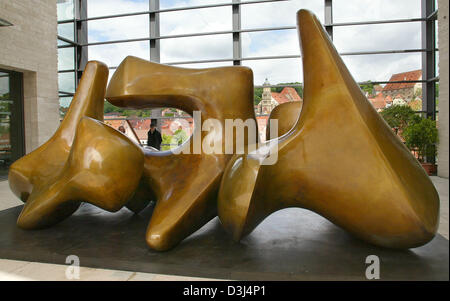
94 172
287 114
185 185
340 160
328 158
36 168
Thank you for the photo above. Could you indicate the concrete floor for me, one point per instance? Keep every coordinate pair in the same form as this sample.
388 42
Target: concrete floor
12 270
22 270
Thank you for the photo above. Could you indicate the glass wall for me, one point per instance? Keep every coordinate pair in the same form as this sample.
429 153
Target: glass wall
66 52
11 120
382 42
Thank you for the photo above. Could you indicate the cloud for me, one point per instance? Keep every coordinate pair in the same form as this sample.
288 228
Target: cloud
282 42
363 10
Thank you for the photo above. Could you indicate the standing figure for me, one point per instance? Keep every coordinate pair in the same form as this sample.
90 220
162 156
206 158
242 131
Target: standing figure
154 136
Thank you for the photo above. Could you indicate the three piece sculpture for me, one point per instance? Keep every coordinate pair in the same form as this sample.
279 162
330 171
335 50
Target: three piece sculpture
336 157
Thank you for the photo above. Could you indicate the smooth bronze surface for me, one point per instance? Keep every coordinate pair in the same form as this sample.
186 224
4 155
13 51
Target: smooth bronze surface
287 114
341 161
38 167
103 168
185 185
338 158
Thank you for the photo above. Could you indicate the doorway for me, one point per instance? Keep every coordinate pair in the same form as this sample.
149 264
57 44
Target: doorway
12 142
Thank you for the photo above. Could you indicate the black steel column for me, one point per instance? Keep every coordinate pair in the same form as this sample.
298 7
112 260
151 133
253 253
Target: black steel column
154 31
329 17
155 50
81 37
237 45
428 59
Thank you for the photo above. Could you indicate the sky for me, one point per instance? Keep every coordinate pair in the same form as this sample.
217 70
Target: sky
284 42
4 85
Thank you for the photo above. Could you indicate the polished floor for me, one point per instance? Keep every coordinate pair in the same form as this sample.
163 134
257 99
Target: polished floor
295 248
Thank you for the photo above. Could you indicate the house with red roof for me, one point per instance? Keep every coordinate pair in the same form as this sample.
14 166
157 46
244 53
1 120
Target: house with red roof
405 91
270 100
379 102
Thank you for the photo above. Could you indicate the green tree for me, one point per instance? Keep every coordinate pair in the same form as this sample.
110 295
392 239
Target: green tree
398 117
109 108
257 95
180 136
368 87
166 143
421 135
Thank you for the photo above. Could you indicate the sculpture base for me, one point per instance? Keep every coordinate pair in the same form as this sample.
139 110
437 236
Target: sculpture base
292 244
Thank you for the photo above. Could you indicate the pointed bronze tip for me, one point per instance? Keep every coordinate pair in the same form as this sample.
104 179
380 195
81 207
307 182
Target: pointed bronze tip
341 160
34 169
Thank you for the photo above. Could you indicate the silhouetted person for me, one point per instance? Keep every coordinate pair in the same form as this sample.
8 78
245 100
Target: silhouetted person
154 137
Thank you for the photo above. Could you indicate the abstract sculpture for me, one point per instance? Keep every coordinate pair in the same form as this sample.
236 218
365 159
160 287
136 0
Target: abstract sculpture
185 185
339 158
94 172
287 114
32 172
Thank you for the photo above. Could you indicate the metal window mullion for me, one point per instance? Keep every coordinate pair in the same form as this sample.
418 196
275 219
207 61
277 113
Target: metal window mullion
329 17
81 38
155 49
237 43
155 54
428 60
170 10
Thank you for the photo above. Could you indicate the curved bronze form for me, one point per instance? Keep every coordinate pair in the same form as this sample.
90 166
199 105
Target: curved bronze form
287 114
94 172
341 160
185 185
338 158
38 167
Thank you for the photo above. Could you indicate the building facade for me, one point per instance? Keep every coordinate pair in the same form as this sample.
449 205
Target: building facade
405 91
269 99
28 76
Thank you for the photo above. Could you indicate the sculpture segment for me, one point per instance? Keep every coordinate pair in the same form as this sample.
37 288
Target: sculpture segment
287 114
336 155
103 168
36 168
341 160
185 185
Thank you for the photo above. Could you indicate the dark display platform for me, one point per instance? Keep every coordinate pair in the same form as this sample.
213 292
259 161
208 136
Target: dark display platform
292 244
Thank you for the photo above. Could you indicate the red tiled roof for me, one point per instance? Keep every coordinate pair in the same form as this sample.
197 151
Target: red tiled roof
291 94
286 95
411 75
378 88
114 123
142 134
379 102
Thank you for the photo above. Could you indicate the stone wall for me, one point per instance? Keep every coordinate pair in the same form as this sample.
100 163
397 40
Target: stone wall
443 88
30 46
